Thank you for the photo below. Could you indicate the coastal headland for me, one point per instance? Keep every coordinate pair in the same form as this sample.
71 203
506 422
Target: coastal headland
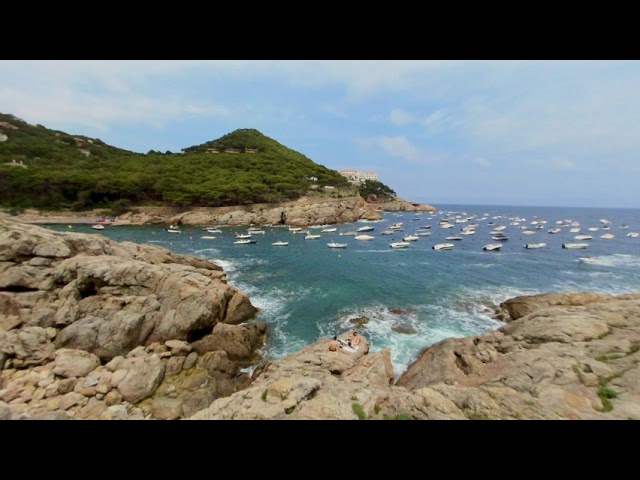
95 329
312 209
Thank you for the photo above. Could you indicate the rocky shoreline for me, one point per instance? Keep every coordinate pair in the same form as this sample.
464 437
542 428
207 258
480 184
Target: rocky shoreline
310 210
95 329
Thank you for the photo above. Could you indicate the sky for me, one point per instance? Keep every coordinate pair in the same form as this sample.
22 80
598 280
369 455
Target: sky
499 132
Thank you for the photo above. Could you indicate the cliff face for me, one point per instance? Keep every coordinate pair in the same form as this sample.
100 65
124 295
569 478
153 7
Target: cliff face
72 304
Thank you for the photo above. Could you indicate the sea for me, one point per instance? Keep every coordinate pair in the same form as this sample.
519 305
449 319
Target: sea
415 296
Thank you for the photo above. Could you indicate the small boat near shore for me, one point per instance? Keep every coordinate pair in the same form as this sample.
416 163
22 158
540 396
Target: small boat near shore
208 237
443 246
244 241
575 245
492 247
97 226
280 244
310 236
365 229
531 246
399 244
334 244
364 237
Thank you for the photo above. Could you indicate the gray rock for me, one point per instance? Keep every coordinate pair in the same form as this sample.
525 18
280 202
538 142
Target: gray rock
116 412
174 365
190 361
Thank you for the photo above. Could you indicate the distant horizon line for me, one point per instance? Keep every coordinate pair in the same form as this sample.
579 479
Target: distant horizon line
521 205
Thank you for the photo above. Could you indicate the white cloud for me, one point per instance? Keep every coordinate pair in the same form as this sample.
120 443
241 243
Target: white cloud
400 117
483 162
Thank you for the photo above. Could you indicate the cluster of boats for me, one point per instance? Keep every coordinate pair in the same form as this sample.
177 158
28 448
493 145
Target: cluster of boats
498 226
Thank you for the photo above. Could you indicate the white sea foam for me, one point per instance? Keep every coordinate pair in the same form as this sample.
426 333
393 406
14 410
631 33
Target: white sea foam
618 260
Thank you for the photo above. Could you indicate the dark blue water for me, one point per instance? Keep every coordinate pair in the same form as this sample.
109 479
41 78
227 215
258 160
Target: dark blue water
308 291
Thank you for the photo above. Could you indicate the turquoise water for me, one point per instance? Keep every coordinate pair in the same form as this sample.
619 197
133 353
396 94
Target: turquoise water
307 291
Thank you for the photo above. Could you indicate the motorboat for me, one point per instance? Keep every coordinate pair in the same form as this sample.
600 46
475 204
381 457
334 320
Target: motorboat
633 234
607 236
252 232
364 237
624 226
387 232
311 237
528 232
423 234
365 229
594 229
328 230
555 230
587 260
213 230
582 237
492 247
535 245
243 236
244 241
295 229
399 244
97 226
457 239
500 238
575 245
280 244
336 245
348 234
575 230
208 237
443 246
410 238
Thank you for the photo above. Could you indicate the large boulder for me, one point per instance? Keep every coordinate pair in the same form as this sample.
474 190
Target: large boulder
75 363
144 374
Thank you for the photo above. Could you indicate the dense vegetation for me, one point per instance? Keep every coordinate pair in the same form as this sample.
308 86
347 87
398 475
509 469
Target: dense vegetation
66 171
374 188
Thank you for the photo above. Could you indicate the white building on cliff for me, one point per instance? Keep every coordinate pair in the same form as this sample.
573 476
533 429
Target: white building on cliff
355 177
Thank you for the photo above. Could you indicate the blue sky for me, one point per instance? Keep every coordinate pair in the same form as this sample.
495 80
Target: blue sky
557 133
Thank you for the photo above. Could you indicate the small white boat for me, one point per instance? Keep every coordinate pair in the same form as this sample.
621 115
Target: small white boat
575 230
607 236
624 226
243 236
575 245
594 229
365 229
387 232
364 237
311 237
446 225
259 232
399 244
491 247
173 230
555 230
213 230
500 238
330 229
443 246
295 229
423 234
208 237
348 234
583 237
633 234
410 238
604 221
280 244
336 245
535 245
457 239
97 226
499 229
528 232
244 241
587 260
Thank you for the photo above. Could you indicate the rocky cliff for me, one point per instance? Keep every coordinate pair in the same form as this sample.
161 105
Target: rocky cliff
87 324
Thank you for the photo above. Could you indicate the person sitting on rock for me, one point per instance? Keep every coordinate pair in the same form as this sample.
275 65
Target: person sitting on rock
355 341
334 345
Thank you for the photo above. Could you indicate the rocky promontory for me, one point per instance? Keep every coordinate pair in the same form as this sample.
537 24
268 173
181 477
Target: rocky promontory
570 356
91 328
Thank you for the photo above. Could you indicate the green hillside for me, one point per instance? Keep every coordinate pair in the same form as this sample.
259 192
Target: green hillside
63 171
